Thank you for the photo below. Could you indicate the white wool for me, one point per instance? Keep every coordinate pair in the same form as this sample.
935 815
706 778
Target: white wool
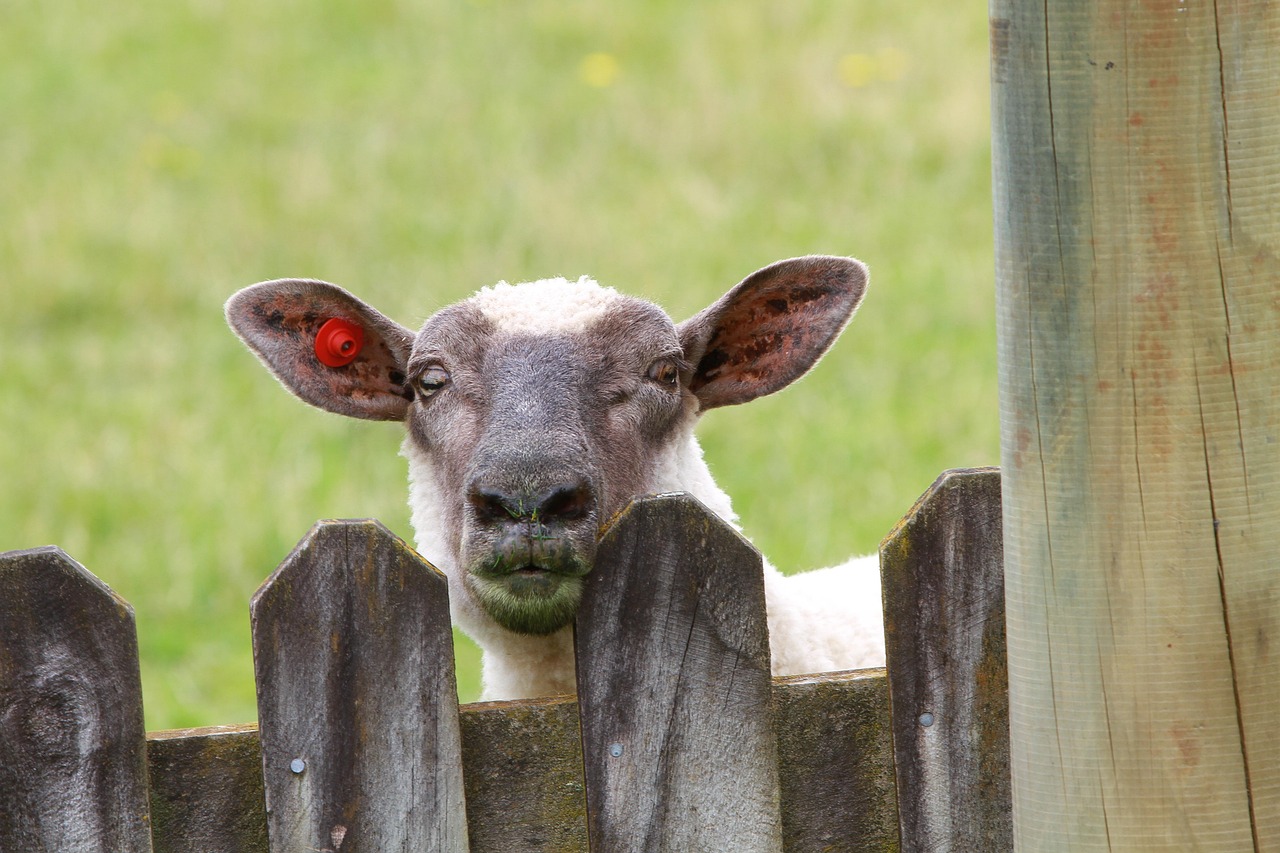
685 470
548 305
426 506
825 620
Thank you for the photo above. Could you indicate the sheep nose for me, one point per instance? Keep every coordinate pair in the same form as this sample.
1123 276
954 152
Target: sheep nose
560 504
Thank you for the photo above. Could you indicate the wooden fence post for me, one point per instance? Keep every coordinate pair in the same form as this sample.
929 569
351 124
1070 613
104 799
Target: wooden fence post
674 687
1137 233
353 654
73 772
944 629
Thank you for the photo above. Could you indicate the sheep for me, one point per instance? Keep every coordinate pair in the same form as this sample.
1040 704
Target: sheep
535 412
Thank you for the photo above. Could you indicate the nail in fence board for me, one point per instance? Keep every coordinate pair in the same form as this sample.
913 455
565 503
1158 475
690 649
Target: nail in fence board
943 576
357 702
73 774
674 687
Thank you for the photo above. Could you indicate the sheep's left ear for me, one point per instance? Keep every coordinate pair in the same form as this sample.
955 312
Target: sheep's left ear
771 328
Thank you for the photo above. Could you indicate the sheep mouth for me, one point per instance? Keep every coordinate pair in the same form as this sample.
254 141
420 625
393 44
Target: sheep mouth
529 579
517 558
527 585
528 599
498 569
530 571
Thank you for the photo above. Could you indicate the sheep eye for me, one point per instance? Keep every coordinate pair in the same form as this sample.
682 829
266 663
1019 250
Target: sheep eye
432 380
664 372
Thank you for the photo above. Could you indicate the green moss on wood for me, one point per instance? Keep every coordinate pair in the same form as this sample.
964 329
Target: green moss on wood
835 755
206 791
523 776
524 780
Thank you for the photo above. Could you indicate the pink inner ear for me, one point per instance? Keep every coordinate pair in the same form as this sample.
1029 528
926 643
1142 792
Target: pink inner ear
338 342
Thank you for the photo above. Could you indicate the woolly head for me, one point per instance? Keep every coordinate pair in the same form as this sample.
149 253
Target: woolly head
534 412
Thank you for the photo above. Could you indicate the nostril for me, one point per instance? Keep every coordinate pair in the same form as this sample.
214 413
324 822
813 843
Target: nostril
493 507
560 504
567 503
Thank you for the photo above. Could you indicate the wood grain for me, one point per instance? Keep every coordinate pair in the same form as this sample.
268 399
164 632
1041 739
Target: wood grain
357 701
674 687
943 572
524 775
206 791
73 774
1135 166
835 763
524 781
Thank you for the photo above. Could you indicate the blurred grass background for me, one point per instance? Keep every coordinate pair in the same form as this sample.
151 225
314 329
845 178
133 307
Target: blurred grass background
157 156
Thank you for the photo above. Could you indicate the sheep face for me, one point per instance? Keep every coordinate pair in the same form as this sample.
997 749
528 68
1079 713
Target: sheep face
535 412
535 432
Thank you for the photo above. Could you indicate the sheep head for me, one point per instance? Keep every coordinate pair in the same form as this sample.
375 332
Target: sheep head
535 412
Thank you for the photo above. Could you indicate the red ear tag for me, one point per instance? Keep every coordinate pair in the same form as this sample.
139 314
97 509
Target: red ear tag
338 342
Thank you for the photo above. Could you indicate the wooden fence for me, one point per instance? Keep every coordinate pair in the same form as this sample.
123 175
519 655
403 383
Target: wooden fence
678 740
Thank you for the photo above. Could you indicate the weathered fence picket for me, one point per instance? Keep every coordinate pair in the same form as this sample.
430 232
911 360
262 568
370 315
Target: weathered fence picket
835 763
523 770
674 689
679 739
943 575
73 773
357 702
206 791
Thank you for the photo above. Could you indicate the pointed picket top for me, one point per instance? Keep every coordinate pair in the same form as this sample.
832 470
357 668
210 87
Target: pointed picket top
943 574
674 686
357 701
73 773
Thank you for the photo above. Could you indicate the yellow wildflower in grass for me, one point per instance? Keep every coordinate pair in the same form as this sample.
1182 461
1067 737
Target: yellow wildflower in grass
598 70
857 70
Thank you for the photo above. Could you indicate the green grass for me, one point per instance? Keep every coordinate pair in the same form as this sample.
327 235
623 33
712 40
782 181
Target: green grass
158 156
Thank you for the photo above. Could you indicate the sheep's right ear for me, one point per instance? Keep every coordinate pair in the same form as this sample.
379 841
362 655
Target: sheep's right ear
357 368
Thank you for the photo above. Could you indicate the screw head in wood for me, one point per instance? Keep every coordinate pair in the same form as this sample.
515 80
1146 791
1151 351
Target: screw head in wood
297 765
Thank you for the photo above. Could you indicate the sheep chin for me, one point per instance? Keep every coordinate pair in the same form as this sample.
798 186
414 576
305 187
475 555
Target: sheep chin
532 603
